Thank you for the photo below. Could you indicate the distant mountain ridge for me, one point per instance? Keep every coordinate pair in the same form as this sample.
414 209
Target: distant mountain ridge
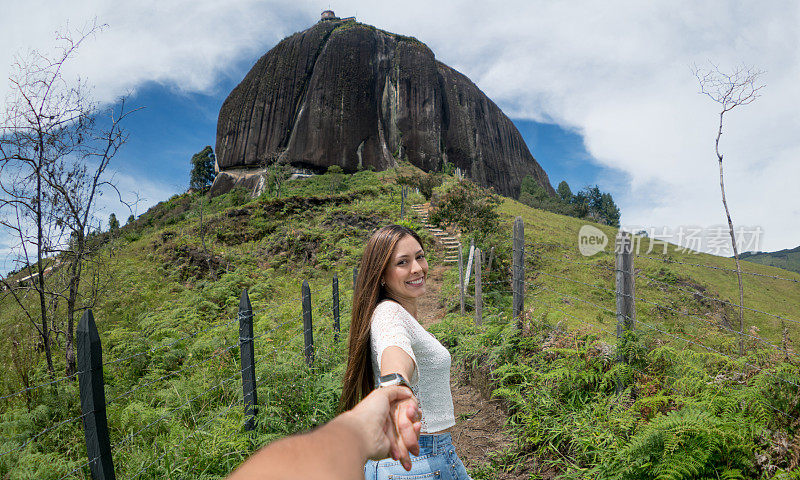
348 94
787 259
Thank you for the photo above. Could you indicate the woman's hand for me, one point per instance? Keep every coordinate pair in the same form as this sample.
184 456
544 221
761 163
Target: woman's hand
388 420
406 416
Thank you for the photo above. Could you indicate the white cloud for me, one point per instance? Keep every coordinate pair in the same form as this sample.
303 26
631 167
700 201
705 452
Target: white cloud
618 72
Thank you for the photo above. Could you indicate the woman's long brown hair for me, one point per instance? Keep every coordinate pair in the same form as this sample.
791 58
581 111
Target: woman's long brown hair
358 378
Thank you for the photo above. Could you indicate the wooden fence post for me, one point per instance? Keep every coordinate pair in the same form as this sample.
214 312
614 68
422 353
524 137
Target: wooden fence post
308 333
461 277
478 288
626 307
93 399
248 361
518 280
491 259
470 259
335 296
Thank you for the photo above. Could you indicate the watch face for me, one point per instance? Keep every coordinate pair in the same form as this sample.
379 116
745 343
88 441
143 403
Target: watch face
391 380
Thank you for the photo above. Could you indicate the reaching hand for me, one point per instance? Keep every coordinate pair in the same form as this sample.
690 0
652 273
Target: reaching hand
389 419
403 415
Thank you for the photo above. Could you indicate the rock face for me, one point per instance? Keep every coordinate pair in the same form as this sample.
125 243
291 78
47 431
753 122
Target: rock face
348 94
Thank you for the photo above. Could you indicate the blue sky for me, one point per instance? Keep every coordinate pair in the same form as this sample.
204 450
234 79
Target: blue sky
603 92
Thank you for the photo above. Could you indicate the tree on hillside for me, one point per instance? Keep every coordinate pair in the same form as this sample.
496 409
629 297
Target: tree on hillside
609 210
202 174
113 223
564 192
277 173
530 186
55 148
730 90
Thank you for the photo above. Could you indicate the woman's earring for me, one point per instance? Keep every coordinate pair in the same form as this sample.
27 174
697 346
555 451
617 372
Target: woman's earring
382 283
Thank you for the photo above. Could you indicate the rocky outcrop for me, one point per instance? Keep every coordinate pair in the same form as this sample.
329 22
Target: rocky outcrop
348 94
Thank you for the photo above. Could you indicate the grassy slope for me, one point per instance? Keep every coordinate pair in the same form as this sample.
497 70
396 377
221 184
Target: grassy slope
788 259
682 412
178 392
779 297
159 293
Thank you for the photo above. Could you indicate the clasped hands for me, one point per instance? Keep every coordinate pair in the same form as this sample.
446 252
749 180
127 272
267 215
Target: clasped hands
390 421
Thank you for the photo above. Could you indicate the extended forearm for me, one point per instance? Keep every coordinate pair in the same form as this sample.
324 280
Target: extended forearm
333 451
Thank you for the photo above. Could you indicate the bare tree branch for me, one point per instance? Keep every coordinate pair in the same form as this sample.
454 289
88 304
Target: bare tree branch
730 90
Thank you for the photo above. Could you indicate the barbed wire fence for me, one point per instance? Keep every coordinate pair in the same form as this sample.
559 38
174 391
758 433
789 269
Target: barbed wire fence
611 291
288 321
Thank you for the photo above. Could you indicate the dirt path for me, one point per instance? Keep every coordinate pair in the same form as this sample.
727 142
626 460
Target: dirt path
480 423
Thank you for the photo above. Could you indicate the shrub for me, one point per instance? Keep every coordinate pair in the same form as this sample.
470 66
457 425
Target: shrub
425 182
468 206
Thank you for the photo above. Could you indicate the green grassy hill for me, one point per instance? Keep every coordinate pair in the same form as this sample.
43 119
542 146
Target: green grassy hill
683 405
167 320
788 259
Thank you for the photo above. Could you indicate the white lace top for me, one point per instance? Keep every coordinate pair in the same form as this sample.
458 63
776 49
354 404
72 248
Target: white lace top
392 325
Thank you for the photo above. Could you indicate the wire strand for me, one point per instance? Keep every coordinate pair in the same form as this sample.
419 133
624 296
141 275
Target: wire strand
224 412
130 436
668 260
641 275
172 373
40 385
43 432
614 334
81 467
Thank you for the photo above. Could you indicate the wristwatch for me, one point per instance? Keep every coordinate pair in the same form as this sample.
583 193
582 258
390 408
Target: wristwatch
391 380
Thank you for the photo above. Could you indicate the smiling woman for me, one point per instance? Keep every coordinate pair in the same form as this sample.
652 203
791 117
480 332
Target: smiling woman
404 277
388 346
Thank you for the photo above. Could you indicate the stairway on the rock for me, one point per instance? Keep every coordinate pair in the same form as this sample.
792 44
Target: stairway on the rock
449 242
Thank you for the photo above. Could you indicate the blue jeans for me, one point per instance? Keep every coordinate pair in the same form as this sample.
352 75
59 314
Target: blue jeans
437 460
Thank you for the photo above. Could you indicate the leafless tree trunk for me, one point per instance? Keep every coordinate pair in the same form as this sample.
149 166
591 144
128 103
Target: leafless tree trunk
730 90
55 148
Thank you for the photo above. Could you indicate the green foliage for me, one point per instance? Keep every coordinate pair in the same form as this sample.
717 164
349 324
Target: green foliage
558 383
665 414
534 195
689 443
588 203
278 172
113 223
336 176
425 182
564 192
596 205
180 386
469 206
788 259
202 174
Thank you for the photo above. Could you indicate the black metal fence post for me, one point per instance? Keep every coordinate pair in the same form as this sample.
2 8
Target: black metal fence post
355 277
518 281
403 193
248 361
93 399
335 296
308 333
